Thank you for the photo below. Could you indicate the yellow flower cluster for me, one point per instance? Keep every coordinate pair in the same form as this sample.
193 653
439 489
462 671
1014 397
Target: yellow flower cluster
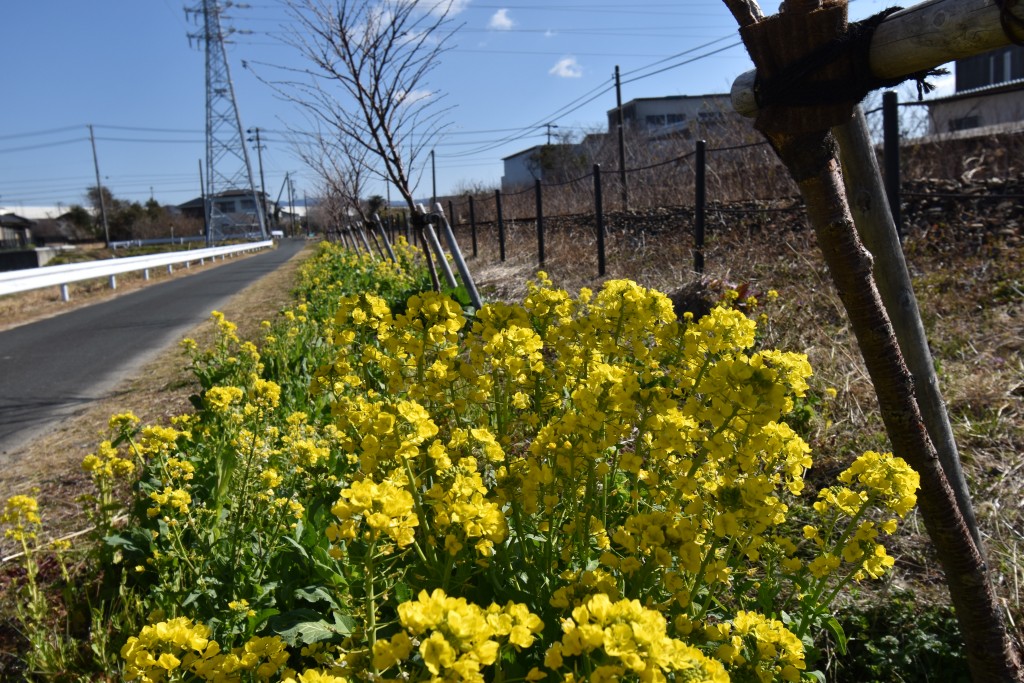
107 464
626 640
21 516
456 638
754 645
372 511
168 650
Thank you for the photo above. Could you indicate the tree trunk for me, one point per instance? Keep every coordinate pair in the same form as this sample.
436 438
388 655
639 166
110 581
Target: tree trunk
812 159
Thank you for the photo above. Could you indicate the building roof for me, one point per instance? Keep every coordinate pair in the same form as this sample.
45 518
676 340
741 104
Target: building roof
13 220
522 152
994 89
197 203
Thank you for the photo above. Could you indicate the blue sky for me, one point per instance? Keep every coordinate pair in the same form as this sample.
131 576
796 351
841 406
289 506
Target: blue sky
127 68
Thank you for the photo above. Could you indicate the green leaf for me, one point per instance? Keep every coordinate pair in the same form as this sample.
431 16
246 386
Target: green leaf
118 541
837 631
316 594
303 626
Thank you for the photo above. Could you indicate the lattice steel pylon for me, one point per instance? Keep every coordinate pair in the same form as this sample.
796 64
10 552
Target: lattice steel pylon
233 209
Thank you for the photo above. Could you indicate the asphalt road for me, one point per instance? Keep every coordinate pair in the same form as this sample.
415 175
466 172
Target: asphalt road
52 368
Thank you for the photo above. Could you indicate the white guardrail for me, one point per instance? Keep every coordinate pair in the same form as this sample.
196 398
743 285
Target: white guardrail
15 281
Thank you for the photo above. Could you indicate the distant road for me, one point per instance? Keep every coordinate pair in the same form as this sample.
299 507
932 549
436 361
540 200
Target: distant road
51 368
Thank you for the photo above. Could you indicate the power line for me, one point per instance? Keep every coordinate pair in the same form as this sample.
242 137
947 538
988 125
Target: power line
683 63
35 133
43 145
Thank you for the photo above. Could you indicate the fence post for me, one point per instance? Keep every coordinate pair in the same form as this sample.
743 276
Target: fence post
599 216
501 225
700 202
472 224
540 222
891 145
451 212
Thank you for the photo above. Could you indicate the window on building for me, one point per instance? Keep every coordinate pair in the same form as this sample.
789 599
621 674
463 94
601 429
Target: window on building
676 118
248 205
711 116
655 120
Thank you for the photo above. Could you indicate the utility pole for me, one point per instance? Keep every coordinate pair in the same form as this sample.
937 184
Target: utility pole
291 203
259 156
206 211
550 126
622 139
433 180
99 189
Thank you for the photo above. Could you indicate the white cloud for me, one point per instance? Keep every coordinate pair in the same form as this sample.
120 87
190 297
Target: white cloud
567 68
448 6
414 97
550 34
500 21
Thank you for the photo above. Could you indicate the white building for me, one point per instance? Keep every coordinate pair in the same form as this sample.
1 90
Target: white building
989 92
666 122
689 117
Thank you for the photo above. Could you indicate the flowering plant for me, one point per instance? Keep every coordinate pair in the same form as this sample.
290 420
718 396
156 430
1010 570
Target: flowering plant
567 488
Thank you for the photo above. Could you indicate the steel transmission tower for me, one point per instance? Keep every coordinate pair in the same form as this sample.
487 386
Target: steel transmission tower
228 170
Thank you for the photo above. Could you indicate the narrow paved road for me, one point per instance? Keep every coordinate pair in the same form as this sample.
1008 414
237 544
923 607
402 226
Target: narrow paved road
51 368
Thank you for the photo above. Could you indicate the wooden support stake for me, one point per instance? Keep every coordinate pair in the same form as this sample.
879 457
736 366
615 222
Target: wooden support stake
915 39
877 229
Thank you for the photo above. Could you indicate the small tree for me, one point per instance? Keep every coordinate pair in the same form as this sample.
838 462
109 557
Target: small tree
367 77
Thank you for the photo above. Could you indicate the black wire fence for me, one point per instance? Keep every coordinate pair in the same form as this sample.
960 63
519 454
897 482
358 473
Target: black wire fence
726 181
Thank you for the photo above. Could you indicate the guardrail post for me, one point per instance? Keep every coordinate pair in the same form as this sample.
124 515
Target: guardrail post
145 274
700 202
64 296
540 222
113 282
599 219
472 223
501 225
170 268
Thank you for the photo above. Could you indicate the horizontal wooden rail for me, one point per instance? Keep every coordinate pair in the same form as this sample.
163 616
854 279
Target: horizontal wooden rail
915 39
12 282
